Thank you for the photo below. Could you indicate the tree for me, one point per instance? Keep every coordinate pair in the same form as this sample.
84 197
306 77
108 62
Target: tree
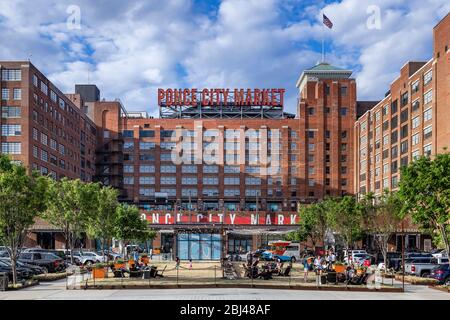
70 205
425 191
382 216
101 223
313 223
22 198
130 226
346 218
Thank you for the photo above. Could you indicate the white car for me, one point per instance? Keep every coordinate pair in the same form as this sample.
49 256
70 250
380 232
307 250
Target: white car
88 258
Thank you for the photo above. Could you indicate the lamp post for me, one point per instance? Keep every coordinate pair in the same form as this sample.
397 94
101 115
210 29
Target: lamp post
403 258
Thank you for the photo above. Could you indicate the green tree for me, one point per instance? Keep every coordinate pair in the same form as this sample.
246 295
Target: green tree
425 190
129 225
102 221
22 198
70 206
346 218
313 223
382 216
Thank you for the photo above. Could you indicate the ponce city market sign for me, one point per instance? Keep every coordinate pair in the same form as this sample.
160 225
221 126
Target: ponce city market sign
210 97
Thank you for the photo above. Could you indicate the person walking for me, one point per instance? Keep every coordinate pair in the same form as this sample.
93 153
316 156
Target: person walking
190 264
177 262
306 267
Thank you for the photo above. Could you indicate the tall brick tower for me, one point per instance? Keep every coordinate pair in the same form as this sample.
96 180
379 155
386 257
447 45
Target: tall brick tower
327 111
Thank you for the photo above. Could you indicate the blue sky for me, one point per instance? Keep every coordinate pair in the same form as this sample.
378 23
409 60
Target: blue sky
131 48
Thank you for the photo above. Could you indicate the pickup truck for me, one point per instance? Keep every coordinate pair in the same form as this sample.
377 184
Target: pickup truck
421 266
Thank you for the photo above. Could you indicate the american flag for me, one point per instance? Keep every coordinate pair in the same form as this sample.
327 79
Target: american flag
327 21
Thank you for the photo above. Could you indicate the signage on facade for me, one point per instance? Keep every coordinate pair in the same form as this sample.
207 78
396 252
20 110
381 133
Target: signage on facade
221 218
213 97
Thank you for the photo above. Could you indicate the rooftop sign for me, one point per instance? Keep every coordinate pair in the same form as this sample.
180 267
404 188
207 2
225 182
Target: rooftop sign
216 97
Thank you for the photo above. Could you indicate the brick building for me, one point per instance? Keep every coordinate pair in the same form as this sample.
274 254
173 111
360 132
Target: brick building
45 131
410 121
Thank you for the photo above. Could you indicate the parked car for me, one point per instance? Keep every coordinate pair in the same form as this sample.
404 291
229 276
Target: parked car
354 254
59 253
396 263
48 261
293 251
23 273
439 254
87 258
111 255
422 266
441 273
32 269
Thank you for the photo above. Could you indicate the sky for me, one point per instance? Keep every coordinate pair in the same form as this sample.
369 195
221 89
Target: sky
129 49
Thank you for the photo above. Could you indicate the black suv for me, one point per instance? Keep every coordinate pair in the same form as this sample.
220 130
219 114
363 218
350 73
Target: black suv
48 261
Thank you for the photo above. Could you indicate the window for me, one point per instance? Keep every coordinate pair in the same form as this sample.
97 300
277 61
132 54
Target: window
163 145
146 192
378 116
147 180
404 99
404 131
11 130
53 144
404 116
343 91
404 147
231 169
35 151
385 125
385 140
53 96
128 145
415 154
415 122
35 80
128 169
344 134
252 192
170 191
327 89
127 133
385 110
427 77
167 133
147 145
415 139
394 152
394 106
210 192
311 146
394 136
44 88
146 133
415 105
11 112
394 122
189 180
128 180
231 192
185 192
343 111
44 155
385 154
168 169
404 161
210 169
311 111
231 181
44 139
5 94
415 87
427 132
210 180
145 157
394 182
11 75
427 150
428 114
62 149
146 169
311 134
311 182
252 180
168 180
428 97
189 169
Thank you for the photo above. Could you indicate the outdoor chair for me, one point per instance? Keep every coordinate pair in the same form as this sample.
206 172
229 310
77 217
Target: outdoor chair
287 271
162 272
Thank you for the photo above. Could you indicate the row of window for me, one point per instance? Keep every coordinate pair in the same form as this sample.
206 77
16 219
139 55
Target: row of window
129 180
16 94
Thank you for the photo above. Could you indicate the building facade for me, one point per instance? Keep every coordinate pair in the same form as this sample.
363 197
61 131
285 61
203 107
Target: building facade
412 120
43 130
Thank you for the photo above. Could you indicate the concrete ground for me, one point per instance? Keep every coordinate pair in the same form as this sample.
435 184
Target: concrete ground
57 291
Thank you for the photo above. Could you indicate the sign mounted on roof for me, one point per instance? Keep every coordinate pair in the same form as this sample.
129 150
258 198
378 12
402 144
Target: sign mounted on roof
215 97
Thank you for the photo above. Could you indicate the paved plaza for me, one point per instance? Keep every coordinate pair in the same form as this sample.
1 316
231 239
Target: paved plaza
57 291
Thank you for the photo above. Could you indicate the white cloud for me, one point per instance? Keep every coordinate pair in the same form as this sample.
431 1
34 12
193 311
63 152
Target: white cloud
130 48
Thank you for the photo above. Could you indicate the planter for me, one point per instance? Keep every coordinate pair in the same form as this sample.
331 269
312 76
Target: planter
99 273
339 268
119 265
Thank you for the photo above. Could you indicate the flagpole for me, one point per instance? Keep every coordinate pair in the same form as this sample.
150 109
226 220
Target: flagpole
323 41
